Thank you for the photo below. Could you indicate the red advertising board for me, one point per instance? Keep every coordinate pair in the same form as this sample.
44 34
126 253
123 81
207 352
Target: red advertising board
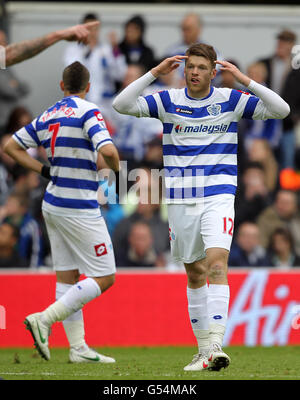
150 308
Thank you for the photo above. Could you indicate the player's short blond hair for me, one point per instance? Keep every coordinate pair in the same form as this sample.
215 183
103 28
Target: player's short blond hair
203 50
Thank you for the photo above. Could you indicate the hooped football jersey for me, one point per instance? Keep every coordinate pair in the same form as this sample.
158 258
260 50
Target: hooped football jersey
71 131
200 139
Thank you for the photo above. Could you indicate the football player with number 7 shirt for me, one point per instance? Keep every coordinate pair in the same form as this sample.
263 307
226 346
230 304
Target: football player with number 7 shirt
72 132
200 167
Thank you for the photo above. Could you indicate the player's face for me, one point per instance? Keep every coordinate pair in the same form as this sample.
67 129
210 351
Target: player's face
198 74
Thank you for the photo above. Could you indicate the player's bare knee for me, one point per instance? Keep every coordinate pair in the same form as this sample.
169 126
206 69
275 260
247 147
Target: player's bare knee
105 282
76 276
196 274
217 272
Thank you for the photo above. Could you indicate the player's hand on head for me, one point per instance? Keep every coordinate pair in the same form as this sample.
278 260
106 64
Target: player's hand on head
79 33
239 76
168 65
227 66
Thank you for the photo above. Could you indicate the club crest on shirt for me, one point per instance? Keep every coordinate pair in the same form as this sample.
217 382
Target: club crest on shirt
214 109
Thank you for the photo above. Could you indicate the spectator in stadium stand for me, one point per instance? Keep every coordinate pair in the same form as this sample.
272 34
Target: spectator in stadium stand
246 249
252 195
12 90
285 80
281 249
105 62
30 185
228 80
260 151
283 213
145 186
20 116
149 214
29 245
7 166
270 129
133 45
140 251
154 153
131 134
108 198
9 256
191 32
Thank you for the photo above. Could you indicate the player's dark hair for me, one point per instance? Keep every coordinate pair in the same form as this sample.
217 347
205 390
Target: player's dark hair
75 77
90 17
202 50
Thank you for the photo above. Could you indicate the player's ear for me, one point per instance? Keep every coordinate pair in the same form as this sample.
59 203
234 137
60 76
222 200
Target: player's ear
87 89
213 73
62 85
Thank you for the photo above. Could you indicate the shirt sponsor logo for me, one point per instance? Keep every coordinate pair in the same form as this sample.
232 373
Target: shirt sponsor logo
201 128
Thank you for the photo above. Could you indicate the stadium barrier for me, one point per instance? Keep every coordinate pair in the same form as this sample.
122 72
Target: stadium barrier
146 308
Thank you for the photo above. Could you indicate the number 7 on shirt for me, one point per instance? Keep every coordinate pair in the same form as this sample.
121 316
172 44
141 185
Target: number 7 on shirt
53 128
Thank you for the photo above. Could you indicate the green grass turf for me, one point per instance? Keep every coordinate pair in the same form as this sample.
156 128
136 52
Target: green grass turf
152 363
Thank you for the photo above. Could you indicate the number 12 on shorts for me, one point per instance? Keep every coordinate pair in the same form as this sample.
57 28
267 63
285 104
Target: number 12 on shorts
228 226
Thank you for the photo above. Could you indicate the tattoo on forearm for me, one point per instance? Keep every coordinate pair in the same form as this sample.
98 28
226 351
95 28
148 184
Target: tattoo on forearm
18 52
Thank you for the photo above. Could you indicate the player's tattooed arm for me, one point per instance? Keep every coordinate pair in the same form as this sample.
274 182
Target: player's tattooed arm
18 52
26 49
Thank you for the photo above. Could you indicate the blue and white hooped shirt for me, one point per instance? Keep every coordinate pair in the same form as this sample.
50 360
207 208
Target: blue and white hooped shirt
200 139
71 131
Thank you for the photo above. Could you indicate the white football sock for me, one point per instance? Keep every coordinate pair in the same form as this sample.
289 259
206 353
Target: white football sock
217 304
74 324
197 306
73 300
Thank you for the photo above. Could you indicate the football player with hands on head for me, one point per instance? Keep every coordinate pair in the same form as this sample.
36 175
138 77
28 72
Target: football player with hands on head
72 132
200 166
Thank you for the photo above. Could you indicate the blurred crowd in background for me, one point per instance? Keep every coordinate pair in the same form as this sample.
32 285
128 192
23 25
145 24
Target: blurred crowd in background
267 222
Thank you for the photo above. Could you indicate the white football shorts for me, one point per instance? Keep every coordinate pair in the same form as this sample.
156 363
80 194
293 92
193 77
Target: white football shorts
194 228
80 243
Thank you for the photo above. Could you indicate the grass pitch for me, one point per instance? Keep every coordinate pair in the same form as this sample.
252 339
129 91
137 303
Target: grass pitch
152 363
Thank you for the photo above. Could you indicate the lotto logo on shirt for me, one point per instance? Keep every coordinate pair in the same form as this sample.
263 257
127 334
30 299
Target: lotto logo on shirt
100 249
98 115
